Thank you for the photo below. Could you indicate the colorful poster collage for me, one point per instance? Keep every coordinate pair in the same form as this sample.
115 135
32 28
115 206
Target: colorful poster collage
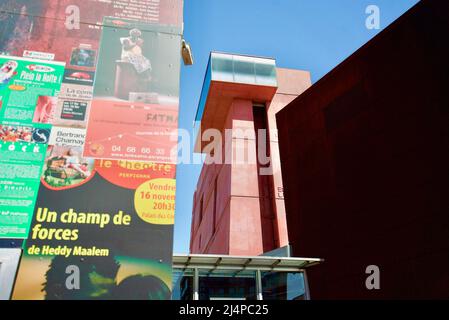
23 137
104 170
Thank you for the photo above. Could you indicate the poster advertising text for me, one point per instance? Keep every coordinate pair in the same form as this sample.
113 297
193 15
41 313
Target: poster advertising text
22 83
114 223
22 153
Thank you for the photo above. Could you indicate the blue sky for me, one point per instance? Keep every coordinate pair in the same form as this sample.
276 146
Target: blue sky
313 35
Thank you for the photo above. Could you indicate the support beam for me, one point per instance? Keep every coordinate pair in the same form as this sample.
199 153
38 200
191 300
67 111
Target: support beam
196 284
259 285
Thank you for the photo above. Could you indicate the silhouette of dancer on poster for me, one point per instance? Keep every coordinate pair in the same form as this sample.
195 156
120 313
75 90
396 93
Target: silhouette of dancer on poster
98 281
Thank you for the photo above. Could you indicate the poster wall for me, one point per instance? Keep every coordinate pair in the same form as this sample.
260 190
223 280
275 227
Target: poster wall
145 134
137 76
112 224
87 173
24 135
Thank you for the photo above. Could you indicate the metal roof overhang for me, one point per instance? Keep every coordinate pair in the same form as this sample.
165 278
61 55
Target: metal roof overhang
240 263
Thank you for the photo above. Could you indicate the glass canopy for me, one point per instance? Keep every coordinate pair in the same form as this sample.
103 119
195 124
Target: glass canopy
214 277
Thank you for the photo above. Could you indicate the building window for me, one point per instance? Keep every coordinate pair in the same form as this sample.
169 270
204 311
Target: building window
283 286
214 227
266 184
201 210
226 284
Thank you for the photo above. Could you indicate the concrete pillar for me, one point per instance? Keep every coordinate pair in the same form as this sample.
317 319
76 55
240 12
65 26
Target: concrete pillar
245 229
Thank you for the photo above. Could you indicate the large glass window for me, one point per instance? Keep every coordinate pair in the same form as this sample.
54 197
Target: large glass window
229 284
283 286
219 284
222 67
243 69
182 284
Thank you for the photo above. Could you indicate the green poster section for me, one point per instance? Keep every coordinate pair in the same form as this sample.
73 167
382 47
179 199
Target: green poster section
23 143
22 82
20 167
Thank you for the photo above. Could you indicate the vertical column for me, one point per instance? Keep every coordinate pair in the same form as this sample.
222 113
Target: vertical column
245 230
306 286
196 284
259 285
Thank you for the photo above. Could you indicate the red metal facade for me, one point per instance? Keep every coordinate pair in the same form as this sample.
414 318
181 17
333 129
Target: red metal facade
365 157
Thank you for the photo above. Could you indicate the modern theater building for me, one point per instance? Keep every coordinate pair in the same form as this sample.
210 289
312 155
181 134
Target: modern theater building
237 210
239 241
364 157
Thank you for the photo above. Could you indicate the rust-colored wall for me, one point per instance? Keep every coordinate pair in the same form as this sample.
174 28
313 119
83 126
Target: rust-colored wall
365 162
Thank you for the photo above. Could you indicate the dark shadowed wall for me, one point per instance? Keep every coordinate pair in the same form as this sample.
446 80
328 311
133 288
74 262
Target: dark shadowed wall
365 163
